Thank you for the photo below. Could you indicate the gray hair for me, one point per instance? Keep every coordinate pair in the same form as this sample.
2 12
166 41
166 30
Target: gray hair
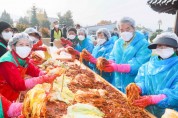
127 20
104 31
82 30
18 37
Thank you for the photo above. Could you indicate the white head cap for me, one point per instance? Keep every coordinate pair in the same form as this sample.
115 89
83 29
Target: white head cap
166 38
32 30
104 31
18 37
82 30
167 35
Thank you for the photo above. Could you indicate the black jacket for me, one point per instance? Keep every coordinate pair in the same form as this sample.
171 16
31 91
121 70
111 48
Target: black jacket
64 32
2 49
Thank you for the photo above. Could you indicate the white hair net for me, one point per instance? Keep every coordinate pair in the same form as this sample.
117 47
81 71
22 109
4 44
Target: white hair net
127 20
18 37
167 35
32 30
82 30
104 31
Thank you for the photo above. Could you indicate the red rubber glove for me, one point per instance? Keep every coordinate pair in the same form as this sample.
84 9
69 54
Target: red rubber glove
72 51
14 110
145 101
30 83
37 44
113 67
90 58
42 48
66 42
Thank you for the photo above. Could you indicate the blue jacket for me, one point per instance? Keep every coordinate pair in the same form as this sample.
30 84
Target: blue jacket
160 77
103 51
114 39
85 44
135 54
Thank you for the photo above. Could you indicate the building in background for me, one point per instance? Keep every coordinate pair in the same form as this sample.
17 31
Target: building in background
92 29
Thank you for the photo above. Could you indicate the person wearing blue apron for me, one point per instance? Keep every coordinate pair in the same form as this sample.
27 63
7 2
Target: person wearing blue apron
158 78
84 41
128 54
103 49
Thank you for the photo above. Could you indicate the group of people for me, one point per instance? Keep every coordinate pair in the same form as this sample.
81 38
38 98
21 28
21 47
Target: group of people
16 64
133 63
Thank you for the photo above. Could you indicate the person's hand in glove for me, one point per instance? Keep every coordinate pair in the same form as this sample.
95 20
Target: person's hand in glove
14 109
10 109
72 51
87 56
42 73
37 45
113 67
66 42
30 83
41 48
145 101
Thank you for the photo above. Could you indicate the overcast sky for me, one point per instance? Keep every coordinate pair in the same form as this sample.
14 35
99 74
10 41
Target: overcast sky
90 12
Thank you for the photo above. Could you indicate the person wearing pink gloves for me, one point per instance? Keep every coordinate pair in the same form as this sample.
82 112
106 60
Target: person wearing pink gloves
14 65
158 78
9 109
102 49
130 51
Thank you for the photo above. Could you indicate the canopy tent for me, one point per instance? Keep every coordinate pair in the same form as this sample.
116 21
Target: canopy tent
166 6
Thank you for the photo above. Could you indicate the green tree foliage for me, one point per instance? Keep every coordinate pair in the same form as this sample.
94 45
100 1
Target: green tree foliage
34 20
21 27
6 18
23 20
22 24
158 31
66 19
43 19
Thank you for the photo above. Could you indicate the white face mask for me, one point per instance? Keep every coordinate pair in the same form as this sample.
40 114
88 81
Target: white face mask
23 51
81 37
34 39
126 36
100 41
71 37
7 35
56 26
164 53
